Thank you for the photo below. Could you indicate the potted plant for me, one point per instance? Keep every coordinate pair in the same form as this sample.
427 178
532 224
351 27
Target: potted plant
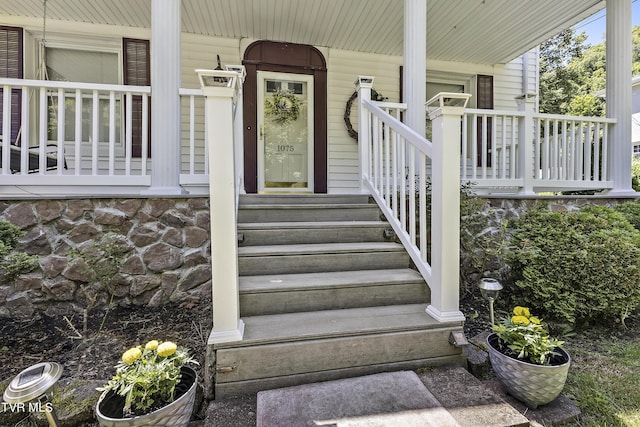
529 364
152 387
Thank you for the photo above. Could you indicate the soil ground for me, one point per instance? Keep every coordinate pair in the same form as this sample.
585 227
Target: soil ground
93 356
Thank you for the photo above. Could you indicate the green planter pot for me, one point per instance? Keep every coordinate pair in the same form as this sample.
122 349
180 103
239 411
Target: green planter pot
535 385
175 414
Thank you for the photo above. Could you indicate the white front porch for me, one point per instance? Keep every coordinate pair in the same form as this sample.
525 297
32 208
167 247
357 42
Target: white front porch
559 153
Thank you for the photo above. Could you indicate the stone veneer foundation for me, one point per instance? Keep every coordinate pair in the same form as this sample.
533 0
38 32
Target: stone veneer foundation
170 260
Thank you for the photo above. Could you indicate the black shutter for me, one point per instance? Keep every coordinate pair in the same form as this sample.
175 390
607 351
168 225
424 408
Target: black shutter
137 72
11 67
484 99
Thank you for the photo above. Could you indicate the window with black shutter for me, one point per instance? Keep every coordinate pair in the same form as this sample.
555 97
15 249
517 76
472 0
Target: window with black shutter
11 67
137 72
484 100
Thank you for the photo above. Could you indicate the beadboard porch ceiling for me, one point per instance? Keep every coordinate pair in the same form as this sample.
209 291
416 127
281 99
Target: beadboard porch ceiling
475 31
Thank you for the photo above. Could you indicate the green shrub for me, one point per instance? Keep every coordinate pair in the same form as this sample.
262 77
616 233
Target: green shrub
12 262
635 174
577 267
631 211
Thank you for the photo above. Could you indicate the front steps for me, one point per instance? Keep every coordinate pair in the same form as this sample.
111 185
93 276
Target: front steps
324 294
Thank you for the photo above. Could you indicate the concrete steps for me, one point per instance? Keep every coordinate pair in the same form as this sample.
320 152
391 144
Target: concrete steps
325 293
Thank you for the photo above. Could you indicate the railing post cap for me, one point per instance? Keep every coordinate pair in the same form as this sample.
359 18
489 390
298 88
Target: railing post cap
365 82
526 97
457 101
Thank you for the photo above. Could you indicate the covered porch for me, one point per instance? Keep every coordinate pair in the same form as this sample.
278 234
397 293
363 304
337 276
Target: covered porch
198 136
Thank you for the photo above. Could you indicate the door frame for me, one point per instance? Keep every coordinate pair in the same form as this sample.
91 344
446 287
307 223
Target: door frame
262 76
264 55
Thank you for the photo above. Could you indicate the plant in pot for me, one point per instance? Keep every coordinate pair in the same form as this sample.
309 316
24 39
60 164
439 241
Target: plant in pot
529 364
152 387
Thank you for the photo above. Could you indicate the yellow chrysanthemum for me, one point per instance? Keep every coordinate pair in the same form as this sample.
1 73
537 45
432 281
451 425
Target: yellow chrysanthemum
521 311
534 320
520 320
151 345
131 355
167 349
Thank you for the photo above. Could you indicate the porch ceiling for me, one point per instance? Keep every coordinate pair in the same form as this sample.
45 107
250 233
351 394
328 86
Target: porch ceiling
476 31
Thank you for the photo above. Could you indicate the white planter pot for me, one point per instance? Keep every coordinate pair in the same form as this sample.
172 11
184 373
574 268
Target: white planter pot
176 414
532 384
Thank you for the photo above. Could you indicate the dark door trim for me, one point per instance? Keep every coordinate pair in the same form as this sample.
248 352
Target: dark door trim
264 55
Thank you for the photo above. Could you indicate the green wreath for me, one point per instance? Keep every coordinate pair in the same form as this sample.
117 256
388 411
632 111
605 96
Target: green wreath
283 107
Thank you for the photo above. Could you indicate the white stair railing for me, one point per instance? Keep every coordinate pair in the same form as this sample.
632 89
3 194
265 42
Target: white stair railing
394 163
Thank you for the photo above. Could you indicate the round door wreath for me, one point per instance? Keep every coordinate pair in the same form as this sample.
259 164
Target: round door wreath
375 96
283 107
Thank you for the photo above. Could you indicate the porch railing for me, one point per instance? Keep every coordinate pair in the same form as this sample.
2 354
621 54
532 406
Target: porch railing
535 152
66 130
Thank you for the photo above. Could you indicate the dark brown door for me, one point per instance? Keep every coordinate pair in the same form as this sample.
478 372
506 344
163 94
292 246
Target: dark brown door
284 58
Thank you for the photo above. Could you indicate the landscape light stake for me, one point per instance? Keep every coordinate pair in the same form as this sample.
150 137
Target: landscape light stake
490 288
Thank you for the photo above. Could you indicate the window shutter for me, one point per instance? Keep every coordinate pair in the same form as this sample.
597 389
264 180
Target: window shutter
11 67
484 99
137 72
485 92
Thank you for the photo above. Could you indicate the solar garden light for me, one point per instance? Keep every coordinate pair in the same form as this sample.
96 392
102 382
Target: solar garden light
490 288
28 390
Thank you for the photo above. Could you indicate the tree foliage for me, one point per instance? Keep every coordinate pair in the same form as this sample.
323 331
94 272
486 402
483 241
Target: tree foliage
571 72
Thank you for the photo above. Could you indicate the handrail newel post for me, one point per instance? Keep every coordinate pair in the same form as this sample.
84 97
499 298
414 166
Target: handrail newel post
446 112
221 89
363 87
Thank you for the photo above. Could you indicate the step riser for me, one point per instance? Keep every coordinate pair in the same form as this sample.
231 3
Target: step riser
316 263
289 236
259 199
308 214
263 303
277 365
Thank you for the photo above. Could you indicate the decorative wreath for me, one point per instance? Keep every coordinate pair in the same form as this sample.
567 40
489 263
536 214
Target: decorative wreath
283 107
375 96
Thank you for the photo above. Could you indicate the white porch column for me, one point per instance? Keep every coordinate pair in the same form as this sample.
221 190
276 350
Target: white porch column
363 86
165 97
618 46
527 104
445 209
220 89
415 63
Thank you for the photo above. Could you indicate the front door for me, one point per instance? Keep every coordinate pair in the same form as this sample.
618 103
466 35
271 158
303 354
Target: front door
285 132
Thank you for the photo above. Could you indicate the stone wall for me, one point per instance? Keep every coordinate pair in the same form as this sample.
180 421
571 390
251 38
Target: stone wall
170 252
169 260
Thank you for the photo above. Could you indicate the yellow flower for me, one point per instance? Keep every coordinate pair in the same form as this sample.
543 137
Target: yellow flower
534 320
131 355
151 345
520 320
167 349
521 311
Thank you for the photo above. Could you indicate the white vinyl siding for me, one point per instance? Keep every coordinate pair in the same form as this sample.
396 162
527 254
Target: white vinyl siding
343 67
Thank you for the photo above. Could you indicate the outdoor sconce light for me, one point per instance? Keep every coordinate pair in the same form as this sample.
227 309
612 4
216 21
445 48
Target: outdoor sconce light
490 288
27 391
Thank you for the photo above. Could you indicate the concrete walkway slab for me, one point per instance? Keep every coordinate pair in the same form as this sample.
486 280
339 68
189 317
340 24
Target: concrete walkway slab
380 400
